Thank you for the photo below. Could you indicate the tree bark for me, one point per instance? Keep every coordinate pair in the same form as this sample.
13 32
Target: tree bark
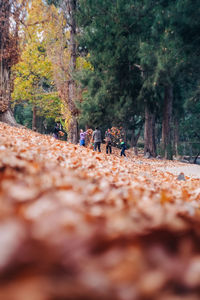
175 137
8 117
34 118
73 130
73 126
65 83
134 139
149 132
6 114
6 61
166 124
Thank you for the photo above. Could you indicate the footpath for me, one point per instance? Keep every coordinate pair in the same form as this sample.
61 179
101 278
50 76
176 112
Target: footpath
188 169
76 224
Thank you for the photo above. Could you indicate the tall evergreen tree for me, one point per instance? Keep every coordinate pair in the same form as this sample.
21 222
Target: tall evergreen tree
173 53
110 33
139 52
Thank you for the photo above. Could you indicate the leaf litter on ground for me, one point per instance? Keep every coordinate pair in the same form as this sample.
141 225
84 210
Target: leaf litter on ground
76 224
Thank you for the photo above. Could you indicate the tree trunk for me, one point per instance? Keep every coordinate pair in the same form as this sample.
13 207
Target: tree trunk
73 131
6 114
196 157
34 118
166 124
39 123
8 117
149 132
175 137
73 126
5 65
134 139
134 142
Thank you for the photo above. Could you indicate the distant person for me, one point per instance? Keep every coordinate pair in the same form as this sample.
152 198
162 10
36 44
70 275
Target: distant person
82 137
123 147
97 139
108 140
56 130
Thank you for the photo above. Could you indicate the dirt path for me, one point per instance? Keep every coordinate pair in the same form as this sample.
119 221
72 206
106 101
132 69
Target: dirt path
188 170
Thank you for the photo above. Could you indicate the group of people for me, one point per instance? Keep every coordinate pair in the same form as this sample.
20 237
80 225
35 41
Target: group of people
97 140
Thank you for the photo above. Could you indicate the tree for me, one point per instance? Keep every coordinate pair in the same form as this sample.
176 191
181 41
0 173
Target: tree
69 8
135 61
165 58
109 32
34 73
190 124
9 52
160 58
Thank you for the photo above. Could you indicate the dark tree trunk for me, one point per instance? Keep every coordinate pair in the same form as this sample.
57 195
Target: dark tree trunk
34 118
149 132
175 137
40 124
73 126
166 124
134 142
134 139
196 157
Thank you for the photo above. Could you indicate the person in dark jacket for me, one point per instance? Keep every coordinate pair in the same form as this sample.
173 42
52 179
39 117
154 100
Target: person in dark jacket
108 140
97 139
123 147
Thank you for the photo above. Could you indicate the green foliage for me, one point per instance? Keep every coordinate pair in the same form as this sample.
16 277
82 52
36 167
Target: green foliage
136 49
23 114
33 74
53 2
33 80
114 82
191 122
133 56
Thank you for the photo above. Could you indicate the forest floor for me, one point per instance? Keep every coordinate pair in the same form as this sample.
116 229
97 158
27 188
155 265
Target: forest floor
76 224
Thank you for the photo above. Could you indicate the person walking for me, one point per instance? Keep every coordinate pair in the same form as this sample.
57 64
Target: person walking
123 147
82 137
97 139
108 140
56 130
